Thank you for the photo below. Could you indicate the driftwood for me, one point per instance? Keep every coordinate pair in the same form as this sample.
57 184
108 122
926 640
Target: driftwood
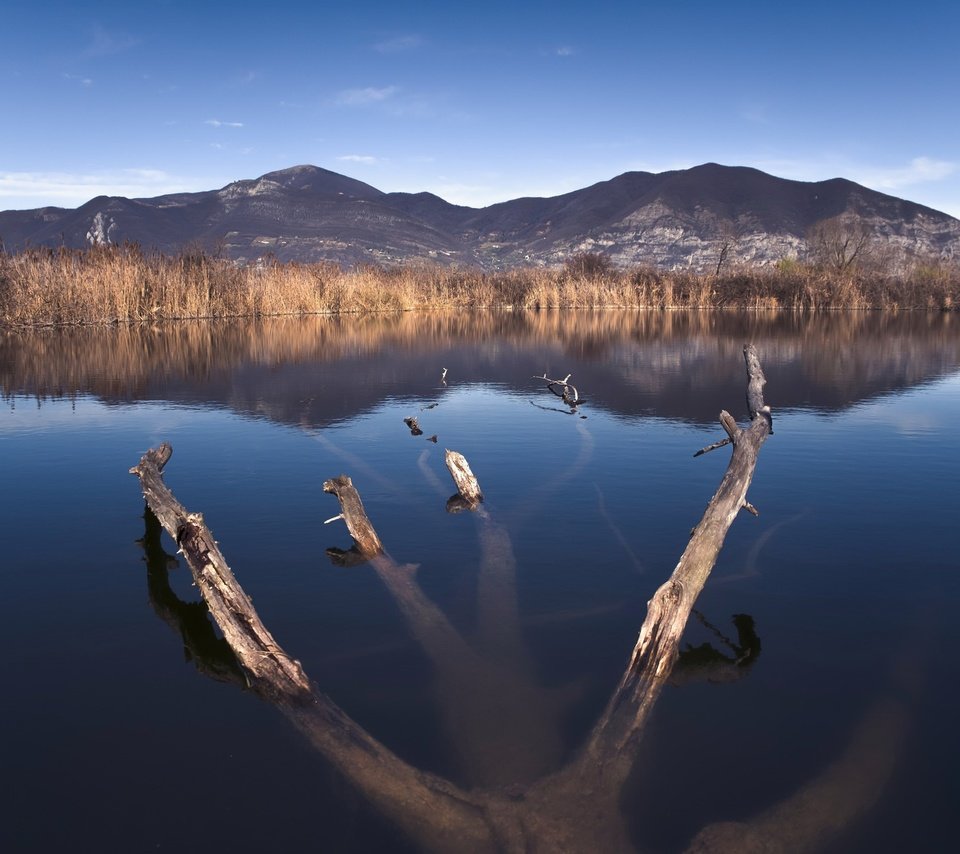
469 495
414 426
256 650
439 814
563 389
575 809
365 538
658 645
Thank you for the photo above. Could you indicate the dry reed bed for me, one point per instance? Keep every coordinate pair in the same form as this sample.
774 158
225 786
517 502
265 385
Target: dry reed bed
123 283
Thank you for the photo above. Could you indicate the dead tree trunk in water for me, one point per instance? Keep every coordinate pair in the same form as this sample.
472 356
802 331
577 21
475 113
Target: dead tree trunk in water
438 814
668 611
576 809
351 510
469 495
256 650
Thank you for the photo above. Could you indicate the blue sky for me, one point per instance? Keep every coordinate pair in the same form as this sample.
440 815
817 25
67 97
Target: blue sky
476 102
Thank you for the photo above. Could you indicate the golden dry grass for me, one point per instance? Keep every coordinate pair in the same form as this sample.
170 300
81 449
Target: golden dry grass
123 284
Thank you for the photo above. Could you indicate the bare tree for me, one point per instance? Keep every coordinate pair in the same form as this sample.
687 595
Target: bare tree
730 234
840 243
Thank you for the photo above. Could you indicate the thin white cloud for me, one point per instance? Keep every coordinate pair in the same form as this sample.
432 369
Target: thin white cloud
399 44
925 180
365 159
920 170
565 50
65 189
78 78
367 95
104 42
219 124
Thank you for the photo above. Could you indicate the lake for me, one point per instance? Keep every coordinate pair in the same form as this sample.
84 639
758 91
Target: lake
816 699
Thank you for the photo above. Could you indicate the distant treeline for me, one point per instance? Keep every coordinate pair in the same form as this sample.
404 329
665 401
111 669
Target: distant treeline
123 283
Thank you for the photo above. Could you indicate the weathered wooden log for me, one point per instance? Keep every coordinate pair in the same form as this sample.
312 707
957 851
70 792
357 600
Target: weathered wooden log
567 392
669 609
468 488
430 809
351 509
269 669
414 426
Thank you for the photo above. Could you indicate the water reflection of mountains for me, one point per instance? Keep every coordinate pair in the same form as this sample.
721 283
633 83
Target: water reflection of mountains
315 371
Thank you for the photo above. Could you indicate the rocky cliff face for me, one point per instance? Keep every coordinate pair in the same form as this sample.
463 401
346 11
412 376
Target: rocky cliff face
688 219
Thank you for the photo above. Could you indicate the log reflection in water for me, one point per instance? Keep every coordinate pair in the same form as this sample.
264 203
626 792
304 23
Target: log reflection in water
707 663
211 654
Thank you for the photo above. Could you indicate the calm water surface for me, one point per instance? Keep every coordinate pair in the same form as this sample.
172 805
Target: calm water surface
125 730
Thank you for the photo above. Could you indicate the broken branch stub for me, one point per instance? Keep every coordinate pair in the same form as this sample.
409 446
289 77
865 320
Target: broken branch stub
468 488
351 508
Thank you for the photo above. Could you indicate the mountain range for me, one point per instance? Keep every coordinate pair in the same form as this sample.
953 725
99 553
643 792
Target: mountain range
679 219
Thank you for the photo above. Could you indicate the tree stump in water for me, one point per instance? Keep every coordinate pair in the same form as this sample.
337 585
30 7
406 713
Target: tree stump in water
351 509
469 495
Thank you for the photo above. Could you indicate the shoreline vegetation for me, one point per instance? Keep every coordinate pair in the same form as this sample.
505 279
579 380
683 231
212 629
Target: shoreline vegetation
122 284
